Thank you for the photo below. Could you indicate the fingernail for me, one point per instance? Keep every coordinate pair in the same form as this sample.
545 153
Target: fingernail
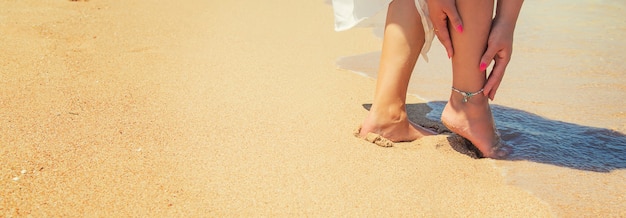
459 28
448 55
483 66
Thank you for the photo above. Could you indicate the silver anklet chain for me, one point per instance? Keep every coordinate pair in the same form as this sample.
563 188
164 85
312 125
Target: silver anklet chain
467 95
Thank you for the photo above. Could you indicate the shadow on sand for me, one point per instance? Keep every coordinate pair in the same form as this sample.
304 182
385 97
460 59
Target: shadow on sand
535 138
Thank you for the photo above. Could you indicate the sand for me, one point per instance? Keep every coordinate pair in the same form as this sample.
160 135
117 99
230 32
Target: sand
205 108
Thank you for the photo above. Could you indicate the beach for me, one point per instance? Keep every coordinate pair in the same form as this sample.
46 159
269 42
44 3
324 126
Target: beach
556 106
230 108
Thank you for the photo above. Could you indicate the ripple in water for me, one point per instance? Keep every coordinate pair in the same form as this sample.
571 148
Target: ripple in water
538 139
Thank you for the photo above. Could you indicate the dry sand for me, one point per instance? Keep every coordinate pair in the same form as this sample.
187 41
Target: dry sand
210 108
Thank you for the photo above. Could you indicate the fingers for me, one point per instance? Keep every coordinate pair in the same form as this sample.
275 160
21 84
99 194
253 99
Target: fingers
454 18
489 55
440 13
492 85
495 78
485 60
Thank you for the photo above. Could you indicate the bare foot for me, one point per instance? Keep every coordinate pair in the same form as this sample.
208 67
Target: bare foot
473 120
394 126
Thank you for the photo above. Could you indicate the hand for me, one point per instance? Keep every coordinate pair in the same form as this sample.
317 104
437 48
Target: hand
440 11
499 49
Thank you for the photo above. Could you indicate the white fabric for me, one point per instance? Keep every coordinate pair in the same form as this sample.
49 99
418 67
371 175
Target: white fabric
372 13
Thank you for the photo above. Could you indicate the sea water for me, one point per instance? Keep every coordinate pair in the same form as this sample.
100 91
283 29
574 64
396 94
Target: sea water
561 105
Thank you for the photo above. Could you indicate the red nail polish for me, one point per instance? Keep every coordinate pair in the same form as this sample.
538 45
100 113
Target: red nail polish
483 66
459 28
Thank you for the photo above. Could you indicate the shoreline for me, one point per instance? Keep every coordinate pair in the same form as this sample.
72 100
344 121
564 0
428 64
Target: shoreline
179 109
544 185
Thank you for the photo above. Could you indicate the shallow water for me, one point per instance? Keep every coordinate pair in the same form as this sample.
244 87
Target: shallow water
542 140
561 105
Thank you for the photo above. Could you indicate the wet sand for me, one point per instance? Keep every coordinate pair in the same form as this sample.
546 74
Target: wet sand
197 108
556 106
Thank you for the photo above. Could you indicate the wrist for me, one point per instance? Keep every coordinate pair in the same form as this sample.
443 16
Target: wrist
507 12
504 23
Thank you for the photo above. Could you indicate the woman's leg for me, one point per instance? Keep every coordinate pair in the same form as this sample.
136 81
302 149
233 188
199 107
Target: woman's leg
402 44
472 119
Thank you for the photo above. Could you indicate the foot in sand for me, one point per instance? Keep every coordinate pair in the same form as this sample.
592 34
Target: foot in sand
473 120
394 126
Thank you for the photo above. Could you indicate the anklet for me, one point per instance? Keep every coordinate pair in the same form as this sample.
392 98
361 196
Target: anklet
467 95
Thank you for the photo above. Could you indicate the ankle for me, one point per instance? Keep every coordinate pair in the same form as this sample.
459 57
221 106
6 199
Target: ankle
391 114
475 108
458 100
467 97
